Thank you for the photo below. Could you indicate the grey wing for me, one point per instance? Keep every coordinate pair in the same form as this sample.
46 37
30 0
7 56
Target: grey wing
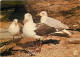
56 23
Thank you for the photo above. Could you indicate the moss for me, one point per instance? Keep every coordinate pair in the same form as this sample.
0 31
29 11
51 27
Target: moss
6 14
13 3
4 3
31 2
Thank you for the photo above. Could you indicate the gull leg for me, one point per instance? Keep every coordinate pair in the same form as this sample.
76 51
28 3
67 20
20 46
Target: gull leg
13 39
40 46
36 44
20 35
39 50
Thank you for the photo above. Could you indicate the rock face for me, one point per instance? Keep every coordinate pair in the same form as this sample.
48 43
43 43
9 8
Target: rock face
18 13
67 11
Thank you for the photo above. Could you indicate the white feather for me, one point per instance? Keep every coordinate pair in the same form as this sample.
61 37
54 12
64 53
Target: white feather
29 27
65 31
14 29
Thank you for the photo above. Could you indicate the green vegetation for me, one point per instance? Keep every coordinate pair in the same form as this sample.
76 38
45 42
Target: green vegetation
11 3
6 14
8 7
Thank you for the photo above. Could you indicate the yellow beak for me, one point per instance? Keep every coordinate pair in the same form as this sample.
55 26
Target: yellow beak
37 15
24 20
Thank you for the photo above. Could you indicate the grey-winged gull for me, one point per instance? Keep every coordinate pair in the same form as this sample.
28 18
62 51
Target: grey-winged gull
58 25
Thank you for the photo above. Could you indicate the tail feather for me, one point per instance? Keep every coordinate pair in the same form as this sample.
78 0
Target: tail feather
59 32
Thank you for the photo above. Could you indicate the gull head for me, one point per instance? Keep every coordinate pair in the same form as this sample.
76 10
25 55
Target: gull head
43 13
15 21
27 17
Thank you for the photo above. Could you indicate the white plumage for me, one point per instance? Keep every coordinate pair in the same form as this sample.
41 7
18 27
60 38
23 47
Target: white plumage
29 27
14 27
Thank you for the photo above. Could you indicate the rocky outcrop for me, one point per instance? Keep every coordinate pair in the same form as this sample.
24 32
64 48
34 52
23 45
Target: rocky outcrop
18 13
67 11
